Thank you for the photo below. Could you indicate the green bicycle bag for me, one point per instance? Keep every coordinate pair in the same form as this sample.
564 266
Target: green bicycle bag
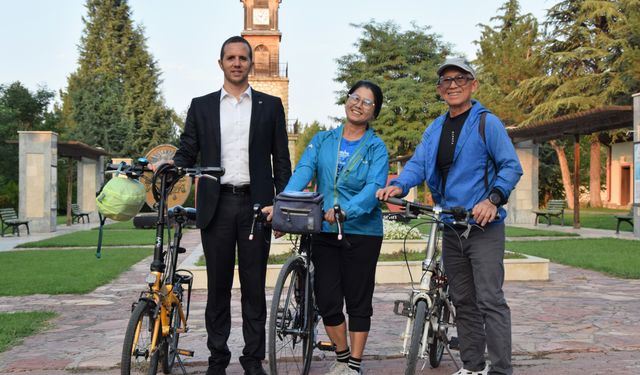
121 198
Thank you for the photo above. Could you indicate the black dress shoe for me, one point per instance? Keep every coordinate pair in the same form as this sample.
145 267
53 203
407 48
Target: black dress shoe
255 370
216 371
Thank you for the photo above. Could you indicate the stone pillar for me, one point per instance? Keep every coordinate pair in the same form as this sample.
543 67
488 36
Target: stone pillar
636 165
38 179
87 186
524 198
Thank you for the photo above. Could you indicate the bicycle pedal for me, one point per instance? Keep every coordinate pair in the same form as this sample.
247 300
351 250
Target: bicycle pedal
454 343
326 346
181 250
406 307
184 352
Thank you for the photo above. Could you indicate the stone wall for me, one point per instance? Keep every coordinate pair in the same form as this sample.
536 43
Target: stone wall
524 198
276 86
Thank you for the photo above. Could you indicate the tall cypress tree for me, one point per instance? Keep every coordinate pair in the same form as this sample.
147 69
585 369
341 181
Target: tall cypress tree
113 99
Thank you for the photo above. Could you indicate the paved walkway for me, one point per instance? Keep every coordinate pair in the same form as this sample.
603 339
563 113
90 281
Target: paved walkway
579 322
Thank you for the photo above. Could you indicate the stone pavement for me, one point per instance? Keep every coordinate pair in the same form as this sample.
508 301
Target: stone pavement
579 322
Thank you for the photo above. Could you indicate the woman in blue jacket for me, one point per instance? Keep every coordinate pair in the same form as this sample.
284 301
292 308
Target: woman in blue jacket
349 164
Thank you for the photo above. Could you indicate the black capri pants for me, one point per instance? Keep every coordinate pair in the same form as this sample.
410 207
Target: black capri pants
345 273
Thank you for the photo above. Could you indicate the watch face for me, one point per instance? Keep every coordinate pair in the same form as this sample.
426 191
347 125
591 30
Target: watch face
261 16
494 198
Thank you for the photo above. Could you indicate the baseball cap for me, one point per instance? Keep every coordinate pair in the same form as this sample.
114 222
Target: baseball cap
457 62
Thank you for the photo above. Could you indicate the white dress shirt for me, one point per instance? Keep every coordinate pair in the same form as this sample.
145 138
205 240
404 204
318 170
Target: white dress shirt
235 119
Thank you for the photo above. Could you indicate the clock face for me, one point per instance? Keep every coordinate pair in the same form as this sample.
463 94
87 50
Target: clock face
261 16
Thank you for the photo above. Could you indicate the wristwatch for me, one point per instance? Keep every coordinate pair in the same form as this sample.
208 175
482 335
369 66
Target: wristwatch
495 198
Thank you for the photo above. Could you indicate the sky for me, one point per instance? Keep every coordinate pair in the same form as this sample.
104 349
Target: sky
40 38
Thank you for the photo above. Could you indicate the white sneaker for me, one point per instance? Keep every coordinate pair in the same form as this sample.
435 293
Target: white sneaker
338 368
463 371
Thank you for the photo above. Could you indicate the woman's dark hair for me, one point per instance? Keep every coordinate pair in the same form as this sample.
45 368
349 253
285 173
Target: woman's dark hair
236 39
377 94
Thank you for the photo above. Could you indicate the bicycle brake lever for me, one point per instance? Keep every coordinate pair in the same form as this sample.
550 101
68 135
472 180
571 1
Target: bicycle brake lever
256 213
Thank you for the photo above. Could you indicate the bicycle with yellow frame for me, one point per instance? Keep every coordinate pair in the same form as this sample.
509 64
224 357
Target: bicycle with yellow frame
161 312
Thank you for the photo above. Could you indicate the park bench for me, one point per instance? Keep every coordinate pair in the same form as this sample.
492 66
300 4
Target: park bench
626 218
555 208
10 219
76 214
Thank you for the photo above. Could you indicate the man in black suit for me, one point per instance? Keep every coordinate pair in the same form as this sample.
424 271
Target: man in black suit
243 131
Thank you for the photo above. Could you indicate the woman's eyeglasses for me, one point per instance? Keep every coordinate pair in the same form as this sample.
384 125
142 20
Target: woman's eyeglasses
355 99
460 80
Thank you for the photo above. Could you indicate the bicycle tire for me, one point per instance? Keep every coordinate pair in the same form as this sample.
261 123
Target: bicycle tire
170 343
437 344
136 360
419 320
290 343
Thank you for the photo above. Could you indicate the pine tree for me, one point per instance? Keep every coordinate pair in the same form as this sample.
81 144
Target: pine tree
404 65
509 54
113 99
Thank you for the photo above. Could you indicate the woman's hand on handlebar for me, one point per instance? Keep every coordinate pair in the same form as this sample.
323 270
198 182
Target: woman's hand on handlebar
268 212
330 216
484 212
389 191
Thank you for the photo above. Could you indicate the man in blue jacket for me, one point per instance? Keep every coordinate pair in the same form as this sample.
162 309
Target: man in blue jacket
476 167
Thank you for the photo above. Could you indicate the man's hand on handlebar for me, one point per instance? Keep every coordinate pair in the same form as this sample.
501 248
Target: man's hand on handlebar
484 212
389 191
268 212
154 166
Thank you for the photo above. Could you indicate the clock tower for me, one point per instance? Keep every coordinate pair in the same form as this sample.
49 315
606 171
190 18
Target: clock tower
261 30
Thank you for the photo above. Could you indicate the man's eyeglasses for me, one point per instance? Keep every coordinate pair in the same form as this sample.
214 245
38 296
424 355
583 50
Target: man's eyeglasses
460 80
355 99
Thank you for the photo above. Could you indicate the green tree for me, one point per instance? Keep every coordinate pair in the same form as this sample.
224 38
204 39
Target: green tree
584 59
113 99
20 110
404 65
508 54
305 137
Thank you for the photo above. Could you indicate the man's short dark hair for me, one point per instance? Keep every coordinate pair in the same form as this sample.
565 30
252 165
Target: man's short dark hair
236 39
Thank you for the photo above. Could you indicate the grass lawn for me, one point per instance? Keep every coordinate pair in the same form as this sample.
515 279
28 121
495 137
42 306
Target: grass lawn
86 238
612 256
21 324
600 218
74 271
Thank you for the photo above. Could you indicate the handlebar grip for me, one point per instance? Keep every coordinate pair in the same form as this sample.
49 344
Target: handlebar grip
396 201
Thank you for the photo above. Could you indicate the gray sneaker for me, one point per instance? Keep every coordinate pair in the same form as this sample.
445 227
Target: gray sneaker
338 368
351 371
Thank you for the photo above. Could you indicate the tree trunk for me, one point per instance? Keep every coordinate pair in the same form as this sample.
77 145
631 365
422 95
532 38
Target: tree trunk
594 173
564 171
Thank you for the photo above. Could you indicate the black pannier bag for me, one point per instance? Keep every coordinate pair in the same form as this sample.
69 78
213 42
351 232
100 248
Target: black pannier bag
298 212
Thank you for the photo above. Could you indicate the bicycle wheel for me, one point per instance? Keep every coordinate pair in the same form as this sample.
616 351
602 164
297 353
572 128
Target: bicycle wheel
136 350
170 343
419 320
290 339
436 339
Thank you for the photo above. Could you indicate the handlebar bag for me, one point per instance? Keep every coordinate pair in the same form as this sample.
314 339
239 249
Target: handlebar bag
121 198
298 212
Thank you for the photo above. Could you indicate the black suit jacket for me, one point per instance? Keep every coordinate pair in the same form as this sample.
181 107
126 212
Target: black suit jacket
267 141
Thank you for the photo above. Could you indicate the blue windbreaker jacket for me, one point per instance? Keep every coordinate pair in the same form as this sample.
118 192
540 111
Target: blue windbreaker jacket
364 173
465 182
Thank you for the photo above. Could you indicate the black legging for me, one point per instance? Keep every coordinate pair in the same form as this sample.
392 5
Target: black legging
345 272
